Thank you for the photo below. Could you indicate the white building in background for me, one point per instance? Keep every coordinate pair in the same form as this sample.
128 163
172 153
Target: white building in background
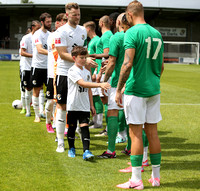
176 4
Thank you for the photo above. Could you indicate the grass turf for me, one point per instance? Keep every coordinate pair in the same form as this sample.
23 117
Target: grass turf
28 160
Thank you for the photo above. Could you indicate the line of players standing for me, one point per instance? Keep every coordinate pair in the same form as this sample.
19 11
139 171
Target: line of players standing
46 59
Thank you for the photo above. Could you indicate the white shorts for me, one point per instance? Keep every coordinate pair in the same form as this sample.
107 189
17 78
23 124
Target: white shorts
139 110
111 100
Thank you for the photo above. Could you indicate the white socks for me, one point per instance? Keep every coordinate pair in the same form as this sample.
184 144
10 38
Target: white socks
36 106
98 120
136 174
60 124
41 101
155 171
49 109
28 101
23 100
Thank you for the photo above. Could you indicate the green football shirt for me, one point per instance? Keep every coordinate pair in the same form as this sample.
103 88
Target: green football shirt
92 48
102 43
117 50
144 78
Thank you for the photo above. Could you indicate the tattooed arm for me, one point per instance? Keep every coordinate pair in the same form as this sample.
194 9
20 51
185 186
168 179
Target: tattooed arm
126 68
124 74
110 67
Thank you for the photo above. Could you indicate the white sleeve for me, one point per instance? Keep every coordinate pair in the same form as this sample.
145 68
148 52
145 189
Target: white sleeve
60 39
37 39
23 43
74 75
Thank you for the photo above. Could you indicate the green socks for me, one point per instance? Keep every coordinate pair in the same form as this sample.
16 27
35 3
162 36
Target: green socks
112 129
136 160
155 159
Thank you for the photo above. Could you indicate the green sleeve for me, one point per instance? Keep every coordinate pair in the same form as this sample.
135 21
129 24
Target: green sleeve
114 46
130 39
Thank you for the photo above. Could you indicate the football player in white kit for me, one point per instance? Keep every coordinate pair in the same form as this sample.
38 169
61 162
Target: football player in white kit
50 71
39 60
67 37
26 52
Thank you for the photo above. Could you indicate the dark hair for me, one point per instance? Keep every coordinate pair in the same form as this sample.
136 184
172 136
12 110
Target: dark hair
43 16
33 23
60 16
124 20
79 50
113 16
69 6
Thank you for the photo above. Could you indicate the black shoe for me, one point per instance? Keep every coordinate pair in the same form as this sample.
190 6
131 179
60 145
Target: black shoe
107 155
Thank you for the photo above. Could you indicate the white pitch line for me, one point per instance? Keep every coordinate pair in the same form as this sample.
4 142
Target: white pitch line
180 104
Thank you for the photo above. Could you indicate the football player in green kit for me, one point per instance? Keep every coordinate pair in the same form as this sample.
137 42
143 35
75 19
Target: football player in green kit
98 118
141 71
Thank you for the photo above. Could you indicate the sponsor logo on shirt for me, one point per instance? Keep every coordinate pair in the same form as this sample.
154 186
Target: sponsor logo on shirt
36 40
57 41
23 44
70 36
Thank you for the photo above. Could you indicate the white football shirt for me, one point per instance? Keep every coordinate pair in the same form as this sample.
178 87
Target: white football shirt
26 43
69 37
39 60
51 60
78 97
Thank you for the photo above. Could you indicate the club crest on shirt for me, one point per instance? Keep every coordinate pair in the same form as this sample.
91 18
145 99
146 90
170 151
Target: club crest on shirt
59 96
34 82
48 93
83 37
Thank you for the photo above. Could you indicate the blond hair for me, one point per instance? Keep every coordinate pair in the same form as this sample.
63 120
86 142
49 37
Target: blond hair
136 8
105 19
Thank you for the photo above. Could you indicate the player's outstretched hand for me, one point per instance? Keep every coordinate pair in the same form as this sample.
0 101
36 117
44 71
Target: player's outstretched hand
90 61
105 85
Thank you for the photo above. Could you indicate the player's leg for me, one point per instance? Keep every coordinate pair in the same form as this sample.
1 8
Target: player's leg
49 105
61 88
135 111
22 88
153 117
72 122
85 135
37 86
121 135
112 125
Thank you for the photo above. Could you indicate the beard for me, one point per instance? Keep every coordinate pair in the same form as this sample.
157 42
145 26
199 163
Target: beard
47 27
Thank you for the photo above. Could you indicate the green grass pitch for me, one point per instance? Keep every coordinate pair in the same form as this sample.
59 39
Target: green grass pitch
29 162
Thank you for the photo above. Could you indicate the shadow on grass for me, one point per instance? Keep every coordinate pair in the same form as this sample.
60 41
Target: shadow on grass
181 165
189 184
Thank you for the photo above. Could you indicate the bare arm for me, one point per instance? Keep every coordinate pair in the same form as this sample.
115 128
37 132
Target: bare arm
84 84
126 68
26 54
91 102
104 54
41 50
64 55
110 67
